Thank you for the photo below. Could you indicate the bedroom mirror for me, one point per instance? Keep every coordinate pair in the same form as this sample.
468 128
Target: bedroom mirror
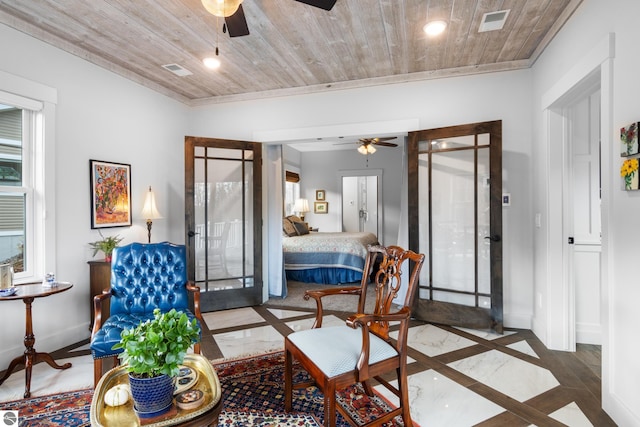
361 201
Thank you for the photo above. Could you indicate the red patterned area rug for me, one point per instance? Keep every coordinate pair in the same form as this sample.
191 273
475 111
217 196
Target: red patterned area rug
256 386
62 409
253 393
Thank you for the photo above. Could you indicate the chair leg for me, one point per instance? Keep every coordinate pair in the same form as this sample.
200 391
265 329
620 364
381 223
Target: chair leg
403 388
196 348
97 371
330 405
366 384
288 381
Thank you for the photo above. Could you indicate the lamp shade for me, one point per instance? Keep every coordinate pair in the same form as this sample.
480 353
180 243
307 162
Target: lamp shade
366 149
221 8
149 210
302 205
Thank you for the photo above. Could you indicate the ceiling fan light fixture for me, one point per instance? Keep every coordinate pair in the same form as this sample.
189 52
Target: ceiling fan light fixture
221 8
434 28
366 149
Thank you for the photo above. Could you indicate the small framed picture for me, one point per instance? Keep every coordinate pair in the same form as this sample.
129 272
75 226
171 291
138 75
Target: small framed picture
110 194
320 207
319 194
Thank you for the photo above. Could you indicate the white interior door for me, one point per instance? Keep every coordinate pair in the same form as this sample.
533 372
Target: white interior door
583 125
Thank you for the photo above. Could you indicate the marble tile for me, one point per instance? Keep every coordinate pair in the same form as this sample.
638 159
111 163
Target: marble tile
433 341
300 325
571 415
246 342
230 318
523 347
285 314
47 380
435 400
509 375
485 333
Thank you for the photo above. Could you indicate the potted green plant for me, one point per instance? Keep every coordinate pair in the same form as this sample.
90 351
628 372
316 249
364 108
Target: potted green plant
152 354
106 245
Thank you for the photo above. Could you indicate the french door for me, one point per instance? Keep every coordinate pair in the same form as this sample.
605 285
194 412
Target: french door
223 214
455 218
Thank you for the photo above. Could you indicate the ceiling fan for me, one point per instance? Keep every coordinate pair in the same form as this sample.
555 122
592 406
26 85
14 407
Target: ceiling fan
367 144
235 21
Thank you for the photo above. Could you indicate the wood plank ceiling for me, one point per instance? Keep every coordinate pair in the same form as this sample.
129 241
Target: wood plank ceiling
293 47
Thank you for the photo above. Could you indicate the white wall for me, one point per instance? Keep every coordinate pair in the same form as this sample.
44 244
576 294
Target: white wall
99 116
589 26
444 102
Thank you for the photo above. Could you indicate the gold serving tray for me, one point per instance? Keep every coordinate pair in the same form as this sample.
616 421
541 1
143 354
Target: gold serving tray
125 416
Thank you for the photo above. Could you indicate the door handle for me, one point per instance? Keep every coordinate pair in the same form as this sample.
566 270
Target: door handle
191 233
495 238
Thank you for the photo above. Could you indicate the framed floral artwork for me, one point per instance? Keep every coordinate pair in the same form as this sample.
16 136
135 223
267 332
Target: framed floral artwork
110 194
629 174
320 207
320 195
629 140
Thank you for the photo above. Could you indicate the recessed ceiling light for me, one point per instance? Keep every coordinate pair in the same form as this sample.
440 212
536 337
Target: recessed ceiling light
212 63
434 28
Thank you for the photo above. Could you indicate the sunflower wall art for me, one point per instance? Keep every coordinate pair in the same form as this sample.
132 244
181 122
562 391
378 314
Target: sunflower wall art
629 149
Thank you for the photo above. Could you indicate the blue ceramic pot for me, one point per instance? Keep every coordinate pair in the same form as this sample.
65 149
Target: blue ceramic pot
152 396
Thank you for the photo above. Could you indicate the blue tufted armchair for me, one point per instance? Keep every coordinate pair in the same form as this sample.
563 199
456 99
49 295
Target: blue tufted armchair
143 277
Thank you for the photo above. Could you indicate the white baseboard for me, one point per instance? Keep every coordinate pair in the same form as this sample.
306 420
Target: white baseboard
589 333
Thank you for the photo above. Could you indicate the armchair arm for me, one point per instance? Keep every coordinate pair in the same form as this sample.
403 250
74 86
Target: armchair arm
318 294
97 310
363 321
195 290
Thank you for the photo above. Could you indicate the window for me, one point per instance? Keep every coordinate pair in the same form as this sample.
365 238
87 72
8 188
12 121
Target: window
22 195
291 192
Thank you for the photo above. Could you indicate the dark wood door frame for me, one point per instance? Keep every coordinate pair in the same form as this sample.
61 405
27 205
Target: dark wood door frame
227 298
449 313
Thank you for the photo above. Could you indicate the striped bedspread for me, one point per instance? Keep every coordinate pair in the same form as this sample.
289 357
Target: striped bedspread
327 250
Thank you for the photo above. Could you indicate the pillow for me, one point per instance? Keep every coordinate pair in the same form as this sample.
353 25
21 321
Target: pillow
294 218
301 228
288 228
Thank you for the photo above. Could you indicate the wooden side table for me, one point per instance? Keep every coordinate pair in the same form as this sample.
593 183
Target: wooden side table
99 279
27 293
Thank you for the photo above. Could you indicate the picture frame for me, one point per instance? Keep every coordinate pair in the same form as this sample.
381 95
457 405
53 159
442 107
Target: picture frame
629 140
110 194
320 207
320 194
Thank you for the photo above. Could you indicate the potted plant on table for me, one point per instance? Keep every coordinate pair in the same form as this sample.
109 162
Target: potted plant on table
106 245
152 354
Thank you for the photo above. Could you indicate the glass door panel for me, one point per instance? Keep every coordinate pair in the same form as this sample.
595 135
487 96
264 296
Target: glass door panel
220 220
455 218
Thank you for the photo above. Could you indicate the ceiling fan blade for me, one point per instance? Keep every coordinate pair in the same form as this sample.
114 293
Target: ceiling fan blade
322 4
386 138
386 144
237 24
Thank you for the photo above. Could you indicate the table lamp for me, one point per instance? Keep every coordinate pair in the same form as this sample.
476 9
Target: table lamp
302 207
150 211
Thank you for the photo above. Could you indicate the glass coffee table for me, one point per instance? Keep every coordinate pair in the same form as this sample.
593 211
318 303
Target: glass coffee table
123 416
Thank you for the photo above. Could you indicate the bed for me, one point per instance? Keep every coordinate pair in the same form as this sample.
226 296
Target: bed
327 258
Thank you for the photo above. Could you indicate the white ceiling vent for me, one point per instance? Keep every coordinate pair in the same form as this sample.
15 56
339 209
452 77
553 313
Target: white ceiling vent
493 21
177 70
